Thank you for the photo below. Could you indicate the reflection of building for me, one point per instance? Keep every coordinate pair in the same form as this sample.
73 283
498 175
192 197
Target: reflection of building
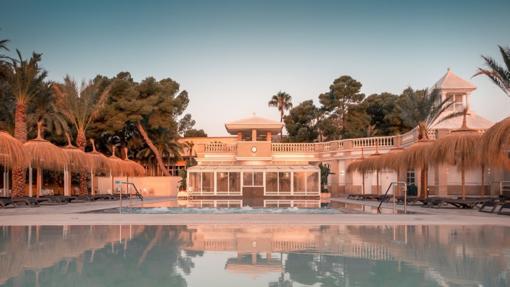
253 164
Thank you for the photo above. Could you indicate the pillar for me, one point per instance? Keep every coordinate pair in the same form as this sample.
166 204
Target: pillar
254 135
239 136
269 137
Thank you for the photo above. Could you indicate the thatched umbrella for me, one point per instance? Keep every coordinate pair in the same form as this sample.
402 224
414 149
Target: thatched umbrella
43 155
355 166
11 151
78 160
494 142
98 163
135 169
11 155
458 148
417 155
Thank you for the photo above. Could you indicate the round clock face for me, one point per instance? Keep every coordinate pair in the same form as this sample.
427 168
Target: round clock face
253 149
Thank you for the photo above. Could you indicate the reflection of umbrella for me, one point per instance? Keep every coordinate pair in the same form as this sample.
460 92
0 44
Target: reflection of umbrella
11 151
43 155
494 141
458 148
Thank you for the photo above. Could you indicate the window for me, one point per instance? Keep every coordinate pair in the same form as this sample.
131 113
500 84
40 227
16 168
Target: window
194 182
411 177
272 181
234 181
253 178
208 182
299 181
284 181
312 181
222 181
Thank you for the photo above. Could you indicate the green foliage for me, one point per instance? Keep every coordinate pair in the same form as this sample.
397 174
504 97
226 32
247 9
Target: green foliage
301 122
325 172
195 133
282 101
498 74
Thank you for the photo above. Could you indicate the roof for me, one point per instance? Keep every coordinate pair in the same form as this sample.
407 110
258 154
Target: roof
450 81
473 121
254 122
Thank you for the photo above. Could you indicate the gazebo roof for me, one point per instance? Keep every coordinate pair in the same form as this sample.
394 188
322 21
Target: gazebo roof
254 122
450 81
473 121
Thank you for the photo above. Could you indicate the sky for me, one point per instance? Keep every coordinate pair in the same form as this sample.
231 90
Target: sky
232 56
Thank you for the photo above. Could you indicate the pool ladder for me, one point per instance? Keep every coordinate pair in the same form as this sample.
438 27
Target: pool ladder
385 197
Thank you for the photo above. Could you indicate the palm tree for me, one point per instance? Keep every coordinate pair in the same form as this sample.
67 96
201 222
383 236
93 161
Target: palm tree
283 102
422 109
26 81
80 106
500 75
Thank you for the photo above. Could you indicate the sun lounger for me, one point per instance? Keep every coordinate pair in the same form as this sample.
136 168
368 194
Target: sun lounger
505 208
5 202
489 206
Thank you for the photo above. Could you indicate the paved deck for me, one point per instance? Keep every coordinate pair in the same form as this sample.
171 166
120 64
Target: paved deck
72 214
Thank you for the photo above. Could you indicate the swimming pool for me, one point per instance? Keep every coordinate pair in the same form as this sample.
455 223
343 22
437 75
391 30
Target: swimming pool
239 206
254 255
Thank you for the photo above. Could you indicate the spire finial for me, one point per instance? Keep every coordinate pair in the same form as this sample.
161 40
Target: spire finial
126 153
39 129
93 145
113 150
68 137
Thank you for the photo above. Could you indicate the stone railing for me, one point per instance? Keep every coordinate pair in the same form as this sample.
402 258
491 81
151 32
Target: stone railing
373 142
293 147
219 148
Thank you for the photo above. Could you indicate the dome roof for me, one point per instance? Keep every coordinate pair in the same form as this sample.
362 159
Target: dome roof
254 122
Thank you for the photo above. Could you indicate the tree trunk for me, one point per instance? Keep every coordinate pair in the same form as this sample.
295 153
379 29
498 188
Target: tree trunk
81 142
20 133
153 148
482 189
463 183
424 181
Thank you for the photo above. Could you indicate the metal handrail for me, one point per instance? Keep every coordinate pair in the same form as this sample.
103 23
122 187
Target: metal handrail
383 199
137 193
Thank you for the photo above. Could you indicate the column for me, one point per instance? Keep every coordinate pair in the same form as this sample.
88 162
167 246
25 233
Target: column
254 135
269 137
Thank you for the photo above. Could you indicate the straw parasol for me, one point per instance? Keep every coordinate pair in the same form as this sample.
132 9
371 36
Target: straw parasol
44 155
78 159
118 167
135 169
494 141
98 163
458 148
11 151
97 160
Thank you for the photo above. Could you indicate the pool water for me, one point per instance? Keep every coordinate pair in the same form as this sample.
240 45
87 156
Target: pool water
229 206
254 255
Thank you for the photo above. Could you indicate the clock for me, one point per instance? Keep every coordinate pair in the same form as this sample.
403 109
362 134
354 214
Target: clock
253 149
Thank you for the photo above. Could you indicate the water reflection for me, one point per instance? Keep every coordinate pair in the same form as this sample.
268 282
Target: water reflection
254 255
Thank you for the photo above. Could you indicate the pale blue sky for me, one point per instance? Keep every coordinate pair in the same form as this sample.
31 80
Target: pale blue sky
232 56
